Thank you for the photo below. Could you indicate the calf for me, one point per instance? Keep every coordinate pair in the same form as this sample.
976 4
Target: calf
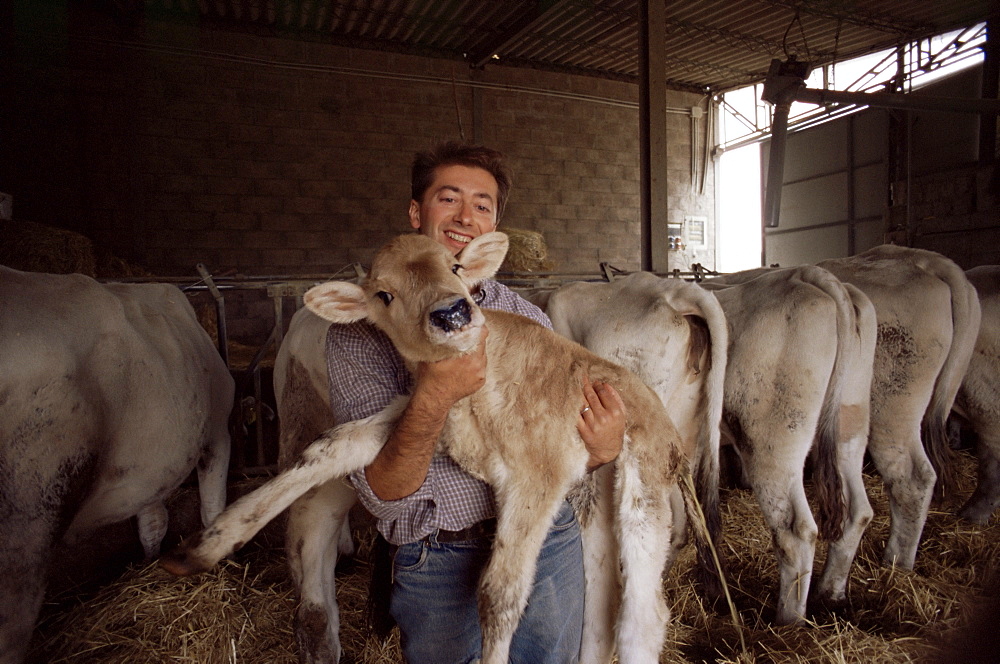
518 433
110 396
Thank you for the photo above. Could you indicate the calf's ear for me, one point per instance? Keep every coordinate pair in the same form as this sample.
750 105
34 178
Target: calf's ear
483 257
337 301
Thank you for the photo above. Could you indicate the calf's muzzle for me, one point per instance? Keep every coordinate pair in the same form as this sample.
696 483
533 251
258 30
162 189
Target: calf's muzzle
453 316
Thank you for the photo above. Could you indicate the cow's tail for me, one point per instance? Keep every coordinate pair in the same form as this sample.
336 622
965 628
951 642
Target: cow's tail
708 356
965 315
333 455
826 475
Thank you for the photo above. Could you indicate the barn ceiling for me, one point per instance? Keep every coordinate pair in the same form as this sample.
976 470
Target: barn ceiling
710 44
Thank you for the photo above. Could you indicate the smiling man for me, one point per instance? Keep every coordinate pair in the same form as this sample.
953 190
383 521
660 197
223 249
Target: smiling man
438 519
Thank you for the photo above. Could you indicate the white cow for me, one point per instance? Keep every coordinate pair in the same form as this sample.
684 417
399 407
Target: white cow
318 531
672 334
110 395
978 400
928 319
797 382
518 433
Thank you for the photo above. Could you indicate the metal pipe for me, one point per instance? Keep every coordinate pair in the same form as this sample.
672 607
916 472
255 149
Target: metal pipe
220 312
776 164
891 100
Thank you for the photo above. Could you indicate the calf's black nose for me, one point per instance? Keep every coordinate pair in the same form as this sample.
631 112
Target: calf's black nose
452 317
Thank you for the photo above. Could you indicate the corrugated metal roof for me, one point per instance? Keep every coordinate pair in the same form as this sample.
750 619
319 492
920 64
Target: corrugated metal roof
710 44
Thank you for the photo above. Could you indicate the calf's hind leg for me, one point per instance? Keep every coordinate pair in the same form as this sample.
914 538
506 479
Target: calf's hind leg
644 525
523 522
336 453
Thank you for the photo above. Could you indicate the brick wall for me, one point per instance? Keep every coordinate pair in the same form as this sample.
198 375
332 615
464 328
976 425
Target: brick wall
270 156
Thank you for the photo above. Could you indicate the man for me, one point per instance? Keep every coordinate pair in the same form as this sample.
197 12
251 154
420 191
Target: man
438 518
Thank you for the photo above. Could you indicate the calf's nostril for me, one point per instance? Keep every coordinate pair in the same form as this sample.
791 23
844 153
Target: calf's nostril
453 317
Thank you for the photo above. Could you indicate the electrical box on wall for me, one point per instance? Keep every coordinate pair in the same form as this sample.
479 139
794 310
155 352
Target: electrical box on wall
696 231
675 237
687 235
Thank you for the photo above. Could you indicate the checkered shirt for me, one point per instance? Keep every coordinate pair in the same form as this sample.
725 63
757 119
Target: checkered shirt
366 373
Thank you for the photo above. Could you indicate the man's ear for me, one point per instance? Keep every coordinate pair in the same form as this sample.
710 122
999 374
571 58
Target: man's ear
337 301
481 259
414 214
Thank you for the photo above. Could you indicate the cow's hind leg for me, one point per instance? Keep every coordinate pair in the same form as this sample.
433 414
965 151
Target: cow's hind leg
986 498
523 521
909 479
316 523
782 500
832 588
24 556
644 519
603 574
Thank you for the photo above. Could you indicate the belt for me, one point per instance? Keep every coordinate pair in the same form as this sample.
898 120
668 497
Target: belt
479 530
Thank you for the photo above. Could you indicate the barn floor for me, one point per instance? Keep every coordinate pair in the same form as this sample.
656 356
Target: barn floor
242 610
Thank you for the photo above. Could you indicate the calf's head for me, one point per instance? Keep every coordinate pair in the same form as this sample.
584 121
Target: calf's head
418 294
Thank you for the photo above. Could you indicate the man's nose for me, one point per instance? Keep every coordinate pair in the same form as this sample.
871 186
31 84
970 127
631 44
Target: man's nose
464 213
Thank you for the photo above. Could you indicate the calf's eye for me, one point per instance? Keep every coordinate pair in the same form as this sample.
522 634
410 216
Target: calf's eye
385 297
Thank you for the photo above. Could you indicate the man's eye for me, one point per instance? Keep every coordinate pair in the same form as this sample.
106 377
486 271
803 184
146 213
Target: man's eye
385 297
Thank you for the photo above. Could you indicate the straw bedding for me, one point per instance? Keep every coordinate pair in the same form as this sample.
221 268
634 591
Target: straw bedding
242 610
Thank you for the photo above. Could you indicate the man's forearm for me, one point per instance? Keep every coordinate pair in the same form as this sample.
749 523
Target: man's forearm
401 466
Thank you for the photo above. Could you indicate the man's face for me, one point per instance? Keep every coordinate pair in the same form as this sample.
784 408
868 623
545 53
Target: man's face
460 204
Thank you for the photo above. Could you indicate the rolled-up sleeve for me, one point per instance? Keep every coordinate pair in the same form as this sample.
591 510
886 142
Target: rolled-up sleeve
366 374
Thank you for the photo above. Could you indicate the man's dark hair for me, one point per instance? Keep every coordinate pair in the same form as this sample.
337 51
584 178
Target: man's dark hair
452 154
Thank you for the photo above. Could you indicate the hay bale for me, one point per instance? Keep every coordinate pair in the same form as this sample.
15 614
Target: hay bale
110 266
32 247
527 252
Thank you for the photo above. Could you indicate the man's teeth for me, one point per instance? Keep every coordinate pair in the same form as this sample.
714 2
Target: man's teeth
458 238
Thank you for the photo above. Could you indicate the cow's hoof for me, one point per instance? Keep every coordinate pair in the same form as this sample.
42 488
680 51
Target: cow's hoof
180 562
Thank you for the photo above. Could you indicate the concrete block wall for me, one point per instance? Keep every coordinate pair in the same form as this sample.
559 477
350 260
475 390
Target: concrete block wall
957 213
176 145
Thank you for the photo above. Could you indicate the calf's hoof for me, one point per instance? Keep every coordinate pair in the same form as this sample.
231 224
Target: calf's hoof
182 561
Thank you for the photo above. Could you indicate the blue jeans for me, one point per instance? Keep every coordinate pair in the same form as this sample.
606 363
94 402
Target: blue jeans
434 600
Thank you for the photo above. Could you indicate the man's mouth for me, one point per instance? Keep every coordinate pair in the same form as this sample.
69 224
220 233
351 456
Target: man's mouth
464 239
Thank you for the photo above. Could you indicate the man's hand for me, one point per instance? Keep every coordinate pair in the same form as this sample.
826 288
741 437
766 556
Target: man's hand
602 422
401 466
440 384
